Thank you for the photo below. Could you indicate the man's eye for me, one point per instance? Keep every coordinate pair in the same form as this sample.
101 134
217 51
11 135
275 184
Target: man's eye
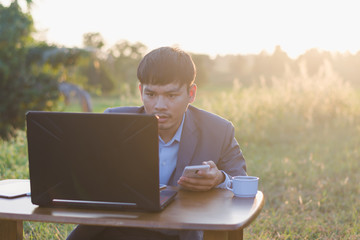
172 95
150 94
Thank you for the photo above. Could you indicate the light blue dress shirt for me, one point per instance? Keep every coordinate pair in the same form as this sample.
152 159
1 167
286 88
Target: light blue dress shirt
168 153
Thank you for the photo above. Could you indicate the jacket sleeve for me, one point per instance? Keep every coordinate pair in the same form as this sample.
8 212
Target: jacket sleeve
231 160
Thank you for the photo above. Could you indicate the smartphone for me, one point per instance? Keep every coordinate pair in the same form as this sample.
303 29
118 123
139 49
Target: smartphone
191 171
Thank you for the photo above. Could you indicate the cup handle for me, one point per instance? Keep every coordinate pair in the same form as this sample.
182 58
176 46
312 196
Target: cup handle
227 185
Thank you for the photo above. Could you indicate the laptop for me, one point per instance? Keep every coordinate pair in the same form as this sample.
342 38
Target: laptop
95 160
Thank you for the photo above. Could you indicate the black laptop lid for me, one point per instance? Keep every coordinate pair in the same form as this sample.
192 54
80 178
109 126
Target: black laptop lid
93 157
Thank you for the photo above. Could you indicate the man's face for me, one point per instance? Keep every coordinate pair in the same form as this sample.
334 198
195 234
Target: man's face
168 103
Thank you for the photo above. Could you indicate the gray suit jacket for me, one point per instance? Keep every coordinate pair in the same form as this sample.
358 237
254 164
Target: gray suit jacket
205 137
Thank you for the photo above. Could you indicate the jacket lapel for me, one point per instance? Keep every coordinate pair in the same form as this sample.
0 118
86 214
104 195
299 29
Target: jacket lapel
188 142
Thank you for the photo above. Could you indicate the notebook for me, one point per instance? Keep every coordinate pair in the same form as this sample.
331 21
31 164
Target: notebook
12 188
95 160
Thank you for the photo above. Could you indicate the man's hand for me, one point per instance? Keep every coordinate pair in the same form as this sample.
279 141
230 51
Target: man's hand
210 179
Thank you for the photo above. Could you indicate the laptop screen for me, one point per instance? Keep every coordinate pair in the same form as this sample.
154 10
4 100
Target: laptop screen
93 157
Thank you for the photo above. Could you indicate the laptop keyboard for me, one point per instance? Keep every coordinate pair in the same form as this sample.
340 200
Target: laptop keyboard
165 195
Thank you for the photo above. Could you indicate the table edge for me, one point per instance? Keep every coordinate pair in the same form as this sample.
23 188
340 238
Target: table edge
116 222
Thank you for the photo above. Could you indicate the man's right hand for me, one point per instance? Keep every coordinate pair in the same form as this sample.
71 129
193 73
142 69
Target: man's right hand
209 179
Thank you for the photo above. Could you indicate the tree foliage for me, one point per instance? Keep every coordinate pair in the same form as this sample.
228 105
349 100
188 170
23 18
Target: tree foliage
23 86
122 61
202 63
94 40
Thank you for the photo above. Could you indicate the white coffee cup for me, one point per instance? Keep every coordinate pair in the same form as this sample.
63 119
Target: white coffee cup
243 186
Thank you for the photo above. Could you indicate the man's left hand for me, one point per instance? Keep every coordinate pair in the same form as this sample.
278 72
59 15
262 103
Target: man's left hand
209 179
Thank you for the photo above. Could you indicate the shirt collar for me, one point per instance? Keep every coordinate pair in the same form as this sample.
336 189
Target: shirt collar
177 135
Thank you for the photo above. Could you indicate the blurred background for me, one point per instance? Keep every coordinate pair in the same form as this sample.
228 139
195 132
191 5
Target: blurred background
285 72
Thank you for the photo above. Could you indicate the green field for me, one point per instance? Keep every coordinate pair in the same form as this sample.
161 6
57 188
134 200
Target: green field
300 136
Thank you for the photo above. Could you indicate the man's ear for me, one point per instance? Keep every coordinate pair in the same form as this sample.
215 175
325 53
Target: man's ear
140 89
192 93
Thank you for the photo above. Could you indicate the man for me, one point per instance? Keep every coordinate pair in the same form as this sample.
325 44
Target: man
187 136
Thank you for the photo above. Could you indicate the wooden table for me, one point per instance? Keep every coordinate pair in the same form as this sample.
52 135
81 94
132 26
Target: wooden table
217 212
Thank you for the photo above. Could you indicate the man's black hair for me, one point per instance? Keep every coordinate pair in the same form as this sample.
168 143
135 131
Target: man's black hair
167 65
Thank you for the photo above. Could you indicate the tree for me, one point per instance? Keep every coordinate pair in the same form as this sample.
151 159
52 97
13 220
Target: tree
93 66
23 86
202 63
123 60
93 40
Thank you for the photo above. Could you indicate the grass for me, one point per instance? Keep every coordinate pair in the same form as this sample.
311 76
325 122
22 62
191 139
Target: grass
299 134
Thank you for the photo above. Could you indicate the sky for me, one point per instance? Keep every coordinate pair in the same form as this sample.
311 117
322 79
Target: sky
204 26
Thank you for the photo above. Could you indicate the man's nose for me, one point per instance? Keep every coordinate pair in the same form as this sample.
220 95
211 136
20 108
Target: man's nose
160 103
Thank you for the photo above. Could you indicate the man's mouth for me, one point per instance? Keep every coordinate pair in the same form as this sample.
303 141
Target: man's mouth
162 117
